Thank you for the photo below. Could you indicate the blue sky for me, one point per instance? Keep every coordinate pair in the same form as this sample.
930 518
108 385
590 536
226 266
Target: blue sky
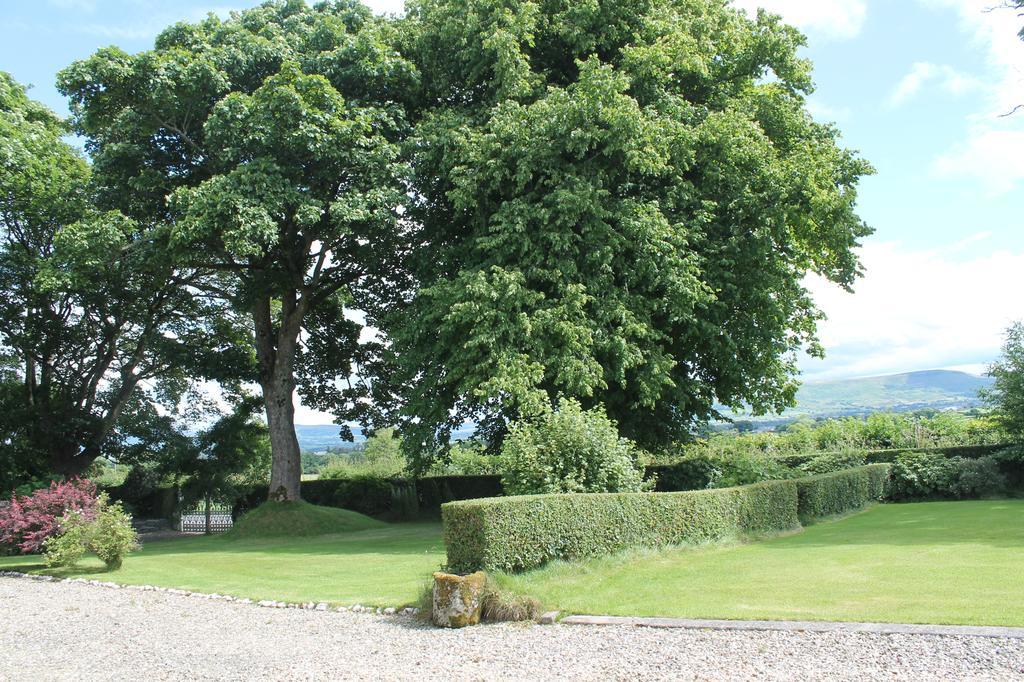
917 86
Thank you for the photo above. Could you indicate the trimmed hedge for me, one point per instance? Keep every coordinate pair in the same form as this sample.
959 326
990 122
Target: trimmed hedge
517 533
390 498
840 491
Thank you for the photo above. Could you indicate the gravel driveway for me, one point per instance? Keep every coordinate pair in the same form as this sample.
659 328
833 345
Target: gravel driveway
73 631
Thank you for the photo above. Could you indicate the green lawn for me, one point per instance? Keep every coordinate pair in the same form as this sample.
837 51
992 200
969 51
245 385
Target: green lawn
934 562
385 566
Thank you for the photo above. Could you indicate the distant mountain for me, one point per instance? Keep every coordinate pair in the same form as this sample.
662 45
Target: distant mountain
932 389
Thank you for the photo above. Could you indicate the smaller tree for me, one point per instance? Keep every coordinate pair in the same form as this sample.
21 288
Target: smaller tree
232 453
1007 393
569 450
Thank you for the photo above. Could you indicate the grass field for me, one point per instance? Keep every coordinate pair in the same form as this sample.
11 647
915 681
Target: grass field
935 562
383 566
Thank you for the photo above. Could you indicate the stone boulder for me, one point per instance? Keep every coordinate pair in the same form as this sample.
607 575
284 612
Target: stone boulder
457 599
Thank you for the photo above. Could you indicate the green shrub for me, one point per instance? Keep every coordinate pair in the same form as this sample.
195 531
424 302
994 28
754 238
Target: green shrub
921 475
1011 465
517 533
977 478
839 492
112 534
928 475
568 450
700 470
833 461
108 534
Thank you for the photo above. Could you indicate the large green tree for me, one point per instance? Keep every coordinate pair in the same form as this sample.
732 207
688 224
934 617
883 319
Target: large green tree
267 144
617 201
96 324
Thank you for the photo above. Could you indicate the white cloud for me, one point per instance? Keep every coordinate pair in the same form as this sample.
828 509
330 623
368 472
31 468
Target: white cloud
921 73
917 310
990 156
991 151
825 112
837 19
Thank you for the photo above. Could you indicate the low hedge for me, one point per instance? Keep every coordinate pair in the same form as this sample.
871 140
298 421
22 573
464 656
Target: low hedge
840 491
523 532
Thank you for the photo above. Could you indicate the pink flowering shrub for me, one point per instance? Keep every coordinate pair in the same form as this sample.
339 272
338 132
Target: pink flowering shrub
29 520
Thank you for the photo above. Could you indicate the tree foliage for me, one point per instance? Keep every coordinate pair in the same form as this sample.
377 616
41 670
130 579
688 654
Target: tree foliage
92 309
1007 393
267 144
617 202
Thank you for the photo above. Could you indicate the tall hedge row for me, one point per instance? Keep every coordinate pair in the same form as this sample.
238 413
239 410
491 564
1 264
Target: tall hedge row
520 533
840 491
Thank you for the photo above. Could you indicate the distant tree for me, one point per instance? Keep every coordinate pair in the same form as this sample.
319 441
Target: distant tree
617 202
267 144
91 309
1007 393
217 462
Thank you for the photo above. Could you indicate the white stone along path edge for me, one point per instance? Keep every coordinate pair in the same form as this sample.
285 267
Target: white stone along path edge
266 603
551 617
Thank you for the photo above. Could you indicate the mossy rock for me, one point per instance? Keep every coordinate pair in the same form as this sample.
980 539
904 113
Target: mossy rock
458 599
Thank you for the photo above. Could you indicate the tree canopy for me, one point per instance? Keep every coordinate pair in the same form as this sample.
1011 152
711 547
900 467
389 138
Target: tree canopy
616 202
470 213
268 145
96 321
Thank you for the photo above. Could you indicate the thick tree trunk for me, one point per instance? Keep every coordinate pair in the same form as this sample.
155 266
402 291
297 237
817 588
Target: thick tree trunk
286 465
276 355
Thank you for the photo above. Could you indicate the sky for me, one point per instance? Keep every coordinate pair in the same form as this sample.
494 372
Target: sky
919 87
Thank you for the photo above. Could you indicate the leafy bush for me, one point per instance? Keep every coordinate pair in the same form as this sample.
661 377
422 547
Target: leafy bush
718 470
517 533
977 478
108 534
1011 465
466 458
379 457
833 461
568 450
28 521
841 491
921 475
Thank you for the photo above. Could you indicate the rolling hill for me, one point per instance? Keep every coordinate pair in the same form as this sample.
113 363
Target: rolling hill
931 389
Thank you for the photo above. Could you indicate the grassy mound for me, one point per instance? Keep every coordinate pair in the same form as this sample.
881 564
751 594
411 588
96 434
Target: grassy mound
299 519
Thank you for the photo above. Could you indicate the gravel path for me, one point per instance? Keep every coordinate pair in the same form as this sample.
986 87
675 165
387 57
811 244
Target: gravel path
74 631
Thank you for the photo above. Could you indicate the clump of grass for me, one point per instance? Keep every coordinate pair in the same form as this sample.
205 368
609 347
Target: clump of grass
504 607
299 519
